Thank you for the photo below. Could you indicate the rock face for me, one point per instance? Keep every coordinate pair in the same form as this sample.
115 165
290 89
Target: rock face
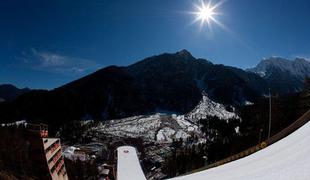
283 75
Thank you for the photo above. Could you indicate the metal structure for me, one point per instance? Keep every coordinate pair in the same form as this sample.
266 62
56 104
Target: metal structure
269 127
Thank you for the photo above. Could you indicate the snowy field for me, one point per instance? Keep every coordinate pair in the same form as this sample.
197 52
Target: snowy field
287 159
159 128
163 128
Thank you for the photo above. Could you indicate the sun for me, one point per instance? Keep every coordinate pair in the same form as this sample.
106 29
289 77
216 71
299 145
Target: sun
206 12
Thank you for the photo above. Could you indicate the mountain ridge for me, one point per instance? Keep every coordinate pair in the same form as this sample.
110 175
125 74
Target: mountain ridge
171 82
283 75
9 92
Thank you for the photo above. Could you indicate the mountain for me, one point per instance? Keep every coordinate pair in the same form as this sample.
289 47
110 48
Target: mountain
163 83
283 75
9 92
222 83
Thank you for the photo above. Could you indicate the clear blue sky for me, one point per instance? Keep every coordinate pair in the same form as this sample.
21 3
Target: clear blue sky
45 44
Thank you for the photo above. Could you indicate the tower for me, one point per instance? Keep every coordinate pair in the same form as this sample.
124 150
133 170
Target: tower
46 153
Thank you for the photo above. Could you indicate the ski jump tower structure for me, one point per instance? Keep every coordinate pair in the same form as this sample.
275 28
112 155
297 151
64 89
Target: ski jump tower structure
46 153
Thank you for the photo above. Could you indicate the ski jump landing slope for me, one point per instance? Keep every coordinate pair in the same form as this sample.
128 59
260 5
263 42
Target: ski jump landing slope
128 165
287 159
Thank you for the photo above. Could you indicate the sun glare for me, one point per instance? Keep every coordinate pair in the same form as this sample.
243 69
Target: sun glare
205 12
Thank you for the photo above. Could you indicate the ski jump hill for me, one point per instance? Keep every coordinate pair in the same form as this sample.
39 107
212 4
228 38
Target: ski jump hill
285 156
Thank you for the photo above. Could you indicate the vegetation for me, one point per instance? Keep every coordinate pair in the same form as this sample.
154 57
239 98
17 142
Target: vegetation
14 154
80 170
184 159
224 140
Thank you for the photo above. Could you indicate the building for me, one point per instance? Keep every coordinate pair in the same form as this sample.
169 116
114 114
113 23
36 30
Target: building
46 153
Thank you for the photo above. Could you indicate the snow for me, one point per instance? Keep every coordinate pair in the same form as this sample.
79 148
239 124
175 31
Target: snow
163 128
207 107
287 159
237 130
298 67
181 134
248 103
128 166
69 153
165 134
136 126
16 123
159 127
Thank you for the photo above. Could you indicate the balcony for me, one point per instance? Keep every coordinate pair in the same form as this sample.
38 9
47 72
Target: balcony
52 149
53 160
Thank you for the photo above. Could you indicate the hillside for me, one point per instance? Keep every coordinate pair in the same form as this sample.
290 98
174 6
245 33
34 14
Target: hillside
9 92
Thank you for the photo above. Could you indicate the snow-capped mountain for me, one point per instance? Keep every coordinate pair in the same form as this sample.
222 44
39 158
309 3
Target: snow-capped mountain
283 75
299 67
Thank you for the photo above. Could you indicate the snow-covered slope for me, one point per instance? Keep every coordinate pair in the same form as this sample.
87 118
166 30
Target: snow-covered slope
285 160
128 167
164 128
158 127
207 107
298 67
282 75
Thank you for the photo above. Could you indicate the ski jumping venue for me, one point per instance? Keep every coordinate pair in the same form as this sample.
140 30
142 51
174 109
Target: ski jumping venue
285 158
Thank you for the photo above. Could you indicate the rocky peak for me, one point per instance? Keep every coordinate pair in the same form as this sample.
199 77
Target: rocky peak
185 54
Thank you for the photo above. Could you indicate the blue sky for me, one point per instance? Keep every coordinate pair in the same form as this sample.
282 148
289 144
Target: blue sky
45 44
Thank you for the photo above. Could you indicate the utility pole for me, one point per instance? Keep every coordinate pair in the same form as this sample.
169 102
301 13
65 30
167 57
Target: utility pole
269 114
260 135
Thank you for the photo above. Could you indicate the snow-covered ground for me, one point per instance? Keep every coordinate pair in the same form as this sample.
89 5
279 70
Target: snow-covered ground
16 123
163 128
285 160
70 153
159 130
207 107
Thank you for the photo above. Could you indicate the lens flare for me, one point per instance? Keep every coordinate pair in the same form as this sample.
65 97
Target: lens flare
206 13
